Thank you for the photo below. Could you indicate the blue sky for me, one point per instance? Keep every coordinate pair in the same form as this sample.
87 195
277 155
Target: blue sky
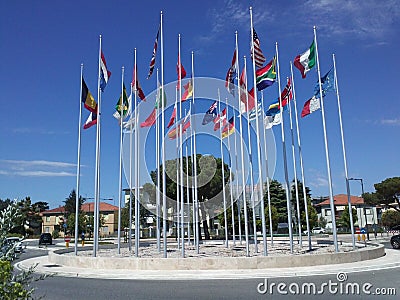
43 44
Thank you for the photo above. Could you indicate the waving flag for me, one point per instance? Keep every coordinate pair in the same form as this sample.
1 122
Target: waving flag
266 76
327 82
220 120
181 74
151 119
173 116
246 97
153 57
188 87
259 57
91 120
230 76
228 129
105 74
310 106
304 62
273 120
122 104
135 83
211 114
184 123
252 113
286 94
87 98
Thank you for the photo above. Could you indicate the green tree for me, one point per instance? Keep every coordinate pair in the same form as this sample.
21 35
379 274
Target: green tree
390 218
69 213
312 213
344 219
278 200
386 192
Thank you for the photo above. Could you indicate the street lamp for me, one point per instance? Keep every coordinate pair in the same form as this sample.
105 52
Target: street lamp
365 213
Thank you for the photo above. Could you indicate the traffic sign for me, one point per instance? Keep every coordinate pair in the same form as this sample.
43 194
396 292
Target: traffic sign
65 225
358 231
67 239
363 231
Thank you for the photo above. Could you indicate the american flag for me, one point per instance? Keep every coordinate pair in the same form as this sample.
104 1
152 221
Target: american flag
153 57
259 57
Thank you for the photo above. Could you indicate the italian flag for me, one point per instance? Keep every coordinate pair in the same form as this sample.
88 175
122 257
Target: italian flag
304 62
310 106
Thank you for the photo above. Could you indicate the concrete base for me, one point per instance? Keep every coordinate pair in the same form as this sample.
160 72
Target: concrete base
215 263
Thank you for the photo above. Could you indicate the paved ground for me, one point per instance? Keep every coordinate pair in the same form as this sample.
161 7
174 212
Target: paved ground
390 260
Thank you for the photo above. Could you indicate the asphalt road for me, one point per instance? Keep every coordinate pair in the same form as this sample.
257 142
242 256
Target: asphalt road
360 285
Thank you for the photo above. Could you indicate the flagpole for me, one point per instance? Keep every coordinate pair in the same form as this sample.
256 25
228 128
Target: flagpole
288 202
158 174
295 170
301 161
246 229
130 168
261 194
195 161
137 169
120 157
222 169
344 155
96 181
177 169
332 205
230 180
241 144
163 145
78 167
187 190
267 179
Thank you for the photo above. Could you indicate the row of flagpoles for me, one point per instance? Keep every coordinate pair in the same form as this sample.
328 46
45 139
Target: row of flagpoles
263 77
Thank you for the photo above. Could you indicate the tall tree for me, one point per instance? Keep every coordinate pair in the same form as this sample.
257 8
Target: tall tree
312 213
386 192
69 213
344 219
278 200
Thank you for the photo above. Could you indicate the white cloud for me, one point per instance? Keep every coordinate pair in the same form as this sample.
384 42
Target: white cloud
394 122
36 168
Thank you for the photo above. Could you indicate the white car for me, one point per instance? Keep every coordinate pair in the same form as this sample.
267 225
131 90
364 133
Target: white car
318 230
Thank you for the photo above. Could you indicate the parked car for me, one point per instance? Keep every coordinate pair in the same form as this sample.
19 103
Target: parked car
45 239
316 230
395 241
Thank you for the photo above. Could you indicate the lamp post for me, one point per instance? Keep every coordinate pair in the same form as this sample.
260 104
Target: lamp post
365 213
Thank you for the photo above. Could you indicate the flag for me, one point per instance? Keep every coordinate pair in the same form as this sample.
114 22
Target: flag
252 113
160 98
220 120
304 62
153 57
173 116
104 73
270 121
230 76
259 57
310 106
87 98
135 83
182 73
185 123
327 82
247 100
188 90
123 104
210 114
129 125
229 128
266 76
274 109
286 94
91 120
151 119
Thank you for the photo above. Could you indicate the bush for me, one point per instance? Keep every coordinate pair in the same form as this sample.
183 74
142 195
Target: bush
55 234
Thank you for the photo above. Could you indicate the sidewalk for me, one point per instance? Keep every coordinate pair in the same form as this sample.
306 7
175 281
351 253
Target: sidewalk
390 260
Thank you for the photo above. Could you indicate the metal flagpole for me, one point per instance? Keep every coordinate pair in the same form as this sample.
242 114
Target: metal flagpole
246 229
332 204
261 193
267 179
163 144
230 178
78 167
241 146
96 180
177 169
353 239
223 171
158 172
187 190
295 169
137 172
130 172
195 161
237 194
301 160
288 202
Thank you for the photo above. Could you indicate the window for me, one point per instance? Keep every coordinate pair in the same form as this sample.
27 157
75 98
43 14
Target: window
328 212
47 218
